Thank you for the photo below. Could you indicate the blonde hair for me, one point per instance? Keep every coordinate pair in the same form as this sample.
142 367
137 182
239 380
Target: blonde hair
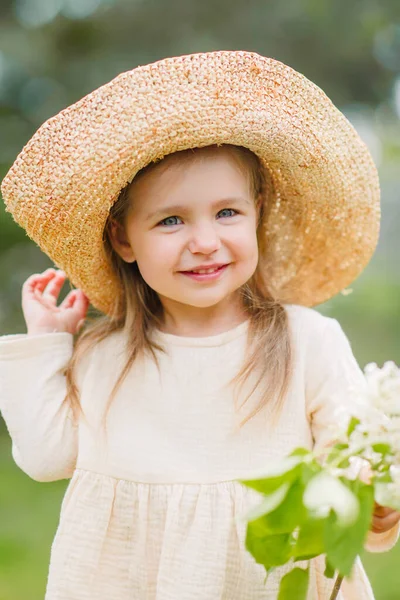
269 349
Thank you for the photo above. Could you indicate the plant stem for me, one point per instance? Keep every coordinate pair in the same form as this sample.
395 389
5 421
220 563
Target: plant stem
336 587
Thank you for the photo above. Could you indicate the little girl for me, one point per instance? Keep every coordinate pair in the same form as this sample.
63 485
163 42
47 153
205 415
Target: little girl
203 204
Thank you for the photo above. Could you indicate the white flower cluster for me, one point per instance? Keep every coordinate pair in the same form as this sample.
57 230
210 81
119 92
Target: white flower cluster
373 445
388 494
379 413
384 387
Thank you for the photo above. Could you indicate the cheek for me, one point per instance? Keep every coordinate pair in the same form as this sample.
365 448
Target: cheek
157 254
244 243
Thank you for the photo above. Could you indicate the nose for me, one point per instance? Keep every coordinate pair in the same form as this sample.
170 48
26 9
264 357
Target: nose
204 239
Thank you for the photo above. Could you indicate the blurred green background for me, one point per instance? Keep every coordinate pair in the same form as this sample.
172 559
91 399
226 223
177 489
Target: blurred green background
53 52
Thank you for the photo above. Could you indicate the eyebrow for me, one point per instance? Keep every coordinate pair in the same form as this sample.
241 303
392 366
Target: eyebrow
183 209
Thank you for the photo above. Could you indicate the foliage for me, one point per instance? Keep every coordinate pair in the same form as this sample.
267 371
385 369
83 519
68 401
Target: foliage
321 502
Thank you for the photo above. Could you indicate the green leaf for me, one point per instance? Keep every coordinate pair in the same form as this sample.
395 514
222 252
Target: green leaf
341 446
301 452
352 425
288 515
329 570
294 585
335 452
325 492
310 540
384 475
382 448
268 550
310 470
344 543
269 503
268 480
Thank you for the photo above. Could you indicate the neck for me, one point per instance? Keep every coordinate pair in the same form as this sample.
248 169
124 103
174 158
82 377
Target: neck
192 321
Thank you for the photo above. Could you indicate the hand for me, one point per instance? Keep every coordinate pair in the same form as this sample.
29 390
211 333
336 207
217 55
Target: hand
384 518
39 304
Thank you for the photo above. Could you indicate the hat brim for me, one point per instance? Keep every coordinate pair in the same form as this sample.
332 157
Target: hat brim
324 212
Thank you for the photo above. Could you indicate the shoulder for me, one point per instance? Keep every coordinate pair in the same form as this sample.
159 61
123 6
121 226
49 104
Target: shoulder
102 356
314 332
321 340
308 321
109 348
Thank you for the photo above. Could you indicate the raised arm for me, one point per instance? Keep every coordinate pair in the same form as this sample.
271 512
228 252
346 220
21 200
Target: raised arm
32 380
32 390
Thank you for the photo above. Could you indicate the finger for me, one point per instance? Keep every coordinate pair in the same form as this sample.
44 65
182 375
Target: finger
54 286
381 511
32 279
69 300
382 524
38 281
81 303
77 300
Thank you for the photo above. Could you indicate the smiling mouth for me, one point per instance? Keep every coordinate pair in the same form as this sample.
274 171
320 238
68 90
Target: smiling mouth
205 271
211 274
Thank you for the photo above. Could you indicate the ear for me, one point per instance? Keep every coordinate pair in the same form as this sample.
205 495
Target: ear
120 242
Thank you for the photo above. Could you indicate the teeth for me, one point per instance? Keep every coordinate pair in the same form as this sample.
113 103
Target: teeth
206 270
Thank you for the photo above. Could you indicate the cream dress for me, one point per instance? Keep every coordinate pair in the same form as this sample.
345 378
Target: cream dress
152 512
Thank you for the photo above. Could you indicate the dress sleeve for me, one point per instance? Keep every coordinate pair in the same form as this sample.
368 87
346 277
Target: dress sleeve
32 389
332 373
332 376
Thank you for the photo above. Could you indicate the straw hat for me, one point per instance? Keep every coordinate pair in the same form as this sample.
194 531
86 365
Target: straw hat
324 212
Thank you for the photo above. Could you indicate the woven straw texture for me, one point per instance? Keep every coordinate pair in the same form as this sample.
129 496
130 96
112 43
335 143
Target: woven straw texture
323 211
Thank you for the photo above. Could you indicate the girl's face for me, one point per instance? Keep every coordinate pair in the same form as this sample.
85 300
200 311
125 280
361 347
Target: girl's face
192 217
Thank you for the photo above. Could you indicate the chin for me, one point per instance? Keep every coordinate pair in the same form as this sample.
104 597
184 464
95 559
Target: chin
205 304
202 302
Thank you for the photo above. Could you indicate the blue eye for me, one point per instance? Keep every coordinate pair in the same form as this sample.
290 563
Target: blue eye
228 210
167 221
171 221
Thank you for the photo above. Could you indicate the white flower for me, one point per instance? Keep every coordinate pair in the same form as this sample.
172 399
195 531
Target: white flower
374 441
324 492
384 387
